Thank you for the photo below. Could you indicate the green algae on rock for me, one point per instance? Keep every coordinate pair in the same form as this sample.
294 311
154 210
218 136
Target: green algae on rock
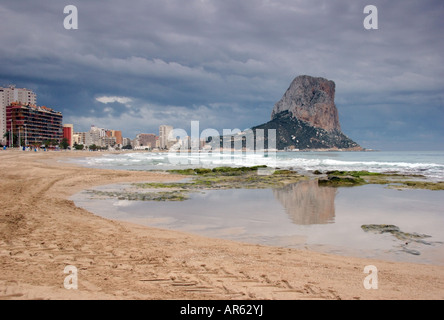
341 181
229 178
422 185
204 179
405 237
396 232
220 178
392 180
138 196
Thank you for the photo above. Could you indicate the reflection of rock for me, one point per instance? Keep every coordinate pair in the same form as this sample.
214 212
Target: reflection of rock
307 203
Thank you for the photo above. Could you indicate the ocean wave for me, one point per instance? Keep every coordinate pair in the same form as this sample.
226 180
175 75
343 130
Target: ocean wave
389 162
384 164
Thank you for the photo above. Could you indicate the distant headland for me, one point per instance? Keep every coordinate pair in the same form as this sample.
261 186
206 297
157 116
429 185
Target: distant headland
306 118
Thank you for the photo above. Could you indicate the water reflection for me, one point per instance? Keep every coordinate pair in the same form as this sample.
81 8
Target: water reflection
307 203
302 215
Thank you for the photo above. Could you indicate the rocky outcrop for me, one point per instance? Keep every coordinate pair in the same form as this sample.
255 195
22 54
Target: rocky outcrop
306 118
311 100
292 133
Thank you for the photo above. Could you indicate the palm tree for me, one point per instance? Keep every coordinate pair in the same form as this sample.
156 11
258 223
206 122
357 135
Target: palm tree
7 137
64 144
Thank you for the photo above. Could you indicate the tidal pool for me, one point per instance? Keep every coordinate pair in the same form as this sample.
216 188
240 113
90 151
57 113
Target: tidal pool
302 216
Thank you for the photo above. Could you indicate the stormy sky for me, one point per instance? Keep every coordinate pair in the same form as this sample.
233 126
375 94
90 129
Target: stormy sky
135 65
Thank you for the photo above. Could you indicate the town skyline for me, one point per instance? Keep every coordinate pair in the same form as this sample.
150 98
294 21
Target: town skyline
18 112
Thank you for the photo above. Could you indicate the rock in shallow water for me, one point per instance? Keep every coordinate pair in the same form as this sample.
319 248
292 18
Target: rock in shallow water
394 230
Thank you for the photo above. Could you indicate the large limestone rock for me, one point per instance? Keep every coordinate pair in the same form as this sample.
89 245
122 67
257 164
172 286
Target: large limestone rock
306 118
311 100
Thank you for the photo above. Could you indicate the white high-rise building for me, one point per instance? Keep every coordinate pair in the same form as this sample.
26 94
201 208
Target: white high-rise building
9 95
95 136
164 131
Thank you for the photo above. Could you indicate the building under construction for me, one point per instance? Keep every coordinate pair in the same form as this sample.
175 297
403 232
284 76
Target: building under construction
33 125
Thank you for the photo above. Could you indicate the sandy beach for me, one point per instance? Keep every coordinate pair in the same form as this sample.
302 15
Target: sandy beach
42 232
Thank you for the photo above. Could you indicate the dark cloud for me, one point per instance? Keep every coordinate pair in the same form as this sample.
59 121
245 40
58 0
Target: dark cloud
226 62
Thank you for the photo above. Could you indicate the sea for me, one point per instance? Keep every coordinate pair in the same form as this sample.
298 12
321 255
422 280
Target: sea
302 215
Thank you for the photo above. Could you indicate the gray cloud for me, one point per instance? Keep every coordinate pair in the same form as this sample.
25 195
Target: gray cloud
226 62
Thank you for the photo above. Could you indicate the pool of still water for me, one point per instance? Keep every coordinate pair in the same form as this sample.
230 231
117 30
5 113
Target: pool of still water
302 216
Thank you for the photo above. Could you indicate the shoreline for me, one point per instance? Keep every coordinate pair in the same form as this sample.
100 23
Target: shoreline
43 231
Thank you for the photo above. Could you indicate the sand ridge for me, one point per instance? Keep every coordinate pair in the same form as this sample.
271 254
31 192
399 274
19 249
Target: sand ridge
41 232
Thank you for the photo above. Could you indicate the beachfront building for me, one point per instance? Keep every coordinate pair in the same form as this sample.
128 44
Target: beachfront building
185 143
109 142
164 131
99 137
115 134
95 136
9 95
79 138
146 140
68 133
32 125
126 142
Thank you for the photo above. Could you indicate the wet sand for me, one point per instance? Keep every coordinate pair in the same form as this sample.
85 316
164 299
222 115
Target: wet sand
42 231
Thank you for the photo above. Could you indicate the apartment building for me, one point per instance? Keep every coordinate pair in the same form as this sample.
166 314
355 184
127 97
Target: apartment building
147 140
68 133
164 131
33 124
9 95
